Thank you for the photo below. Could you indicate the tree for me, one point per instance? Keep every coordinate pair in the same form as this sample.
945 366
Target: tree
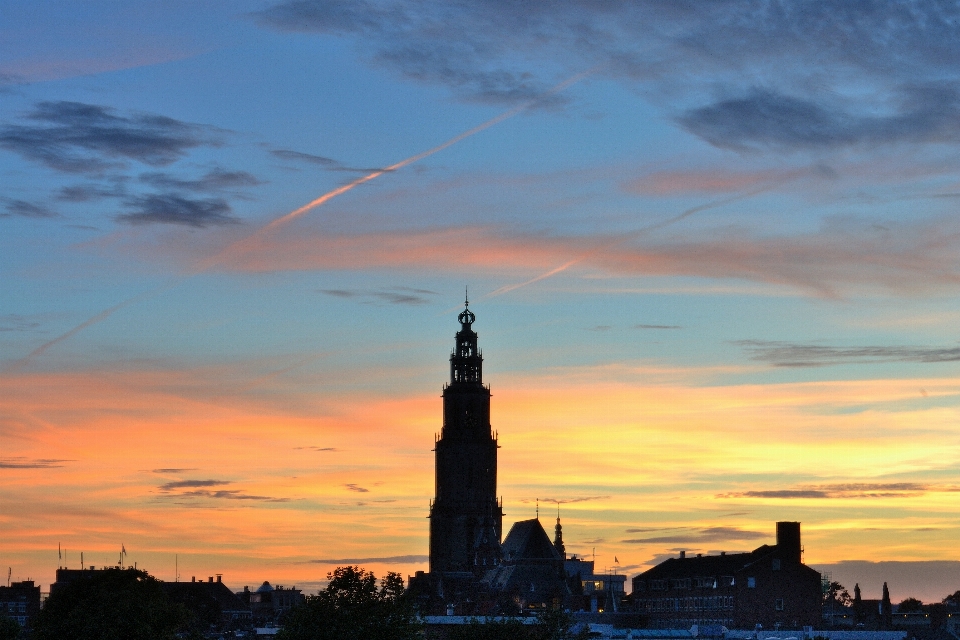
910 605
953 599
111 604
857 604
9 628
556 624
837 593
352 607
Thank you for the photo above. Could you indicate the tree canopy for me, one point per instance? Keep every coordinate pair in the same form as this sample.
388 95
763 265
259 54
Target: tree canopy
836 592
910 605
9 628
354 606
110 604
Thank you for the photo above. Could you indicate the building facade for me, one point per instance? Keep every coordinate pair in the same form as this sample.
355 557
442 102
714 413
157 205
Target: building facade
466 518
769 586
20 601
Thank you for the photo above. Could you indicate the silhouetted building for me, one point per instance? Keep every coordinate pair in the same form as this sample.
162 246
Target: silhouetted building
268 603
466 519
212 602
769 586
591 591
531 571
20 601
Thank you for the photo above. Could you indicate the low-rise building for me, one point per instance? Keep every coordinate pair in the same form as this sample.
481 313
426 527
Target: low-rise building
769 586
20 601
268 603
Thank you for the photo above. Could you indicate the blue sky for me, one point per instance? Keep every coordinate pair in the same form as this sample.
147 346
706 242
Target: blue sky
712 248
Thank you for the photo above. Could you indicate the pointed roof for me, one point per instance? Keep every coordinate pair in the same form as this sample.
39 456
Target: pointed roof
528 541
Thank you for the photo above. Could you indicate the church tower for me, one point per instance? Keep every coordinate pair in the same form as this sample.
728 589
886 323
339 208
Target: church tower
466 520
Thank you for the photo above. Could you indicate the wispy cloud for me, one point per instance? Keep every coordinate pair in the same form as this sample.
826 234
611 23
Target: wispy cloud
765 118
183 484
716 180
657 326
74 137
215 180
25 209
198 490
231 494
172 470
175 209
392 295
785 354
21 462
846 491
357 488
901 258
696 536
91 192
319 448
17 322
571 500
328 164
411 559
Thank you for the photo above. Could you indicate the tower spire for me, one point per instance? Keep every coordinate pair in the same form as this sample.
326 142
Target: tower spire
558 536
465 518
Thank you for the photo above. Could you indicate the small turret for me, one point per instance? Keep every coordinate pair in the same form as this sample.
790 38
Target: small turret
558 537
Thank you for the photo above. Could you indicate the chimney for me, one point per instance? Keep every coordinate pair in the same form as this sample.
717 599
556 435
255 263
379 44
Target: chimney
683 554
219 577
788 541
210 579
193 578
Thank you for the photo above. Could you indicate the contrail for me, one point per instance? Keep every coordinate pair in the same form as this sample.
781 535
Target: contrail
634 234
219 257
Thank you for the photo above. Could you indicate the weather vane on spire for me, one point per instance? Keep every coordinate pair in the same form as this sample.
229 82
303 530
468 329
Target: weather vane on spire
466 296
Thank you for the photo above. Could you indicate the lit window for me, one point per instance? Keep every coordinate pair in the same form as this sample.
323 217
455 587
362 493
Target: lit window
751 583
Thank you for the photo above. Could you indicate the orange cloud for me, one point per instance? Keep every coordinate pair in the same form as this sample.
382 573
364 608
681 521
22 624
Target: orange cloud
829 263
716 180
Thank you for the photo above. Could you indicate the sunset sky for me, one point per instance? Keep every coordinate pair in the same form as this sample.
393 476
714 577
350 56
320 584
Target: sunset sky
713 249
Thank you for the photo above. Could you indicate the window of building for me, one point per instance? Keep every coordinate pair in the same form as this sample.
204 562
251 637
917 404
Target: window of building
751 583
776 564
778 604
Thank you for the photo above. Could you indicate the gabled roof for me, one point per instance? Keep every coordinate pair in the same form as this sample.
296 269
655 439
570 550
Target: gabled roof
528 541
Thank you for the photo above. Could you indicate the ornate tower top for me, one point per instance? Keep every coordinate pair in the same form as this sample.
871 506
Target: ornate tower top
558 536
466 361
